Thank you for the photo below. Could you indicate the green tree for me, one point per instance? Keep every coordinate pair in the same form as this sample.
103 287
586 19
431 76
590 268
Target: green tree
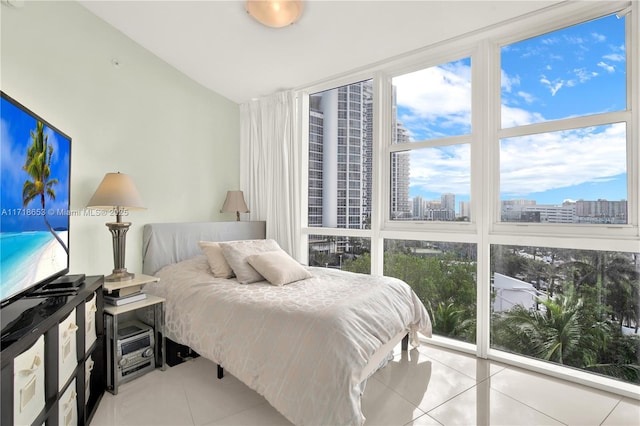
608 280
564 331
320 258
506 261
552 334
620 358
38 167
445 282
361 264
623 289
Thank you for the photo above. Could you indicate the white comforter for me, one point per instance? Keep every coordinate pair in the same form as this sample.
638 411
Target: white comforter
302 346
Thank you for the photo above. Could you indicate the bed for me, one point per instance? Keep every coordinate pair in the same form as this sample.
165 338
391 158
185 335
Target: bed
308 347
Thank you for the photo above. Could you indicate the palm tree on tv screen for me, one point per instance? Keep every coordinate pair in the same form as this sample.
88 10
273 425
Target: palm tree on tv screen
38 167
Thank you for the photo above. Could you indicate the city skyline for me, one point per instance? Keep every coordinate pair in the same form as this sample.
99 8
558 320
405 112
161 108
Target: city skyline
447 208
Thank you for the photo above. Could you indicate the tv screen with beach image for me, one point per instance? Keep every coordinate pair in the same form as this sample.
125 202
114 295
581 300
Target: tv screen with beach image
34 222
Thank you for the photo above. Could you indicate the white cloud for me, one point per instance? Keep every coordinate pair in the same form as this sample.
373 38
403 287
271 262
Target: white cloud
548 161
528 164
607 67
507 82
550 41
552 86
444 169
615 57
527 97
584 75
598 37
436 96
512 116
571 39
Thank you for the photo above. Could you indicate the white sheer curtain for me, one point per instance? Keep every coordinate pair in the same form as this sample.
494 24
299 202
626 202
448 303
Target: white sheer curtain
268 166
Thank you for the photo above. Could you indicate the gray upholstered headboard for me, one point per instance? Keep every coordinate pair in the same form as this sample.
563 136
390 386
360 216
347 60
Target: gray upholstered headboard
166 243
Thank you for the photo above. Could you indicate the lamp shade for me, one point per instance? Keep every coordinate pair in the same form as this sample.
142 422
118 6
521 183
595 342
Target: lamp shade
273 13
116 190
235 203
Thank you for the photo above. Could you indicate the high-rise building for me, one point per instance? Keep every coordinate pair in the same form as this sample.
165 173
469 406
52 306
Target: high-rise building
601 211
400 170
418 207
465 209
335 182
341 159
448 201
581 211
316 124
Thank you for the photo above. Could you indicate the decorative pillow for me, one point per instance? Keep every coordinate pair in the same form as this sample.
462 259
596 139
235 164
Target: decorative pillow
217 263
278 267
236 253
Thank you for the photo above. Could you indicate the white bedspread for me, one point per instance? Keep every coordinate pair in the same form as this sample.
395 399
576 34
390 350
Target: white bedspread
302 346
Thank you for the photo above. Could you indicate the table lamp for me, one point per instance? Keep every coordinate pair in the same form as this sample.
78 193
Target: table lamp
117 193
235 203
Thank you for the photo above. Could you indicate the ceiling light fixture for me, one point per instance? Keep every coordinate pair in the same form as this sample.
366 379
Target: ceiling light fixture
273 13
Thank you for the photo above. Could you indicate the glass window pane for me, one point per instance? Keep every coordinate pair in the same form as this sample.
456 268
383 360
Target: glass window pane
340 252
575 71
331 169
572 176
443 275
432 103
431 184
578 308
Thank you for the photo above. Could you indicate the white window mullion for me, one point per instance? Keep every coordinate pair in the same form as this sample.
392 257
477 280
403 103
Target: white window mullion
633 128
565 124
303 160
486 113
381 168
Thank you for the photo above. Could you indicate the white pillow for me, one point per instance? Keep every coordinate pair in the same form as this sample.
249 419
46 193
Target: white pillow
278 267
236 253
217 263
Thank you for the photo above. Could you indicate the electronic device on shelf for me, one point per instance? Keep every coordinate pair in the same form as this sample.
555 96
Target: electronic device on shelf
67 281
67 285
134 350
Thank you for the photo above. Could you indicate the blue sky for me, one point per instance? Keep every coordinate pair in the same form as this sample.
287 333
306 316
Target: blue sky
15 127
571 72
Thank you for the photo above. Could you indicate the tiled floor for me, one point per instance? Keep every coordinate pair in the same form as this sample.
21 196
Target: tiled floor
426 386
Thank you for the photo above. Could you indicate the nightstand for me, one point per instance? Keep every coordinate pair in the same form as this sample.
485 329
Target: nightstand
129 353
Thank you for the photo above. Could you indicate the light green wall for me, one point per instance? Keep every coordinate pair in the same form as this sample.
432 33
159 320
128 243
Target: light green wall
178 140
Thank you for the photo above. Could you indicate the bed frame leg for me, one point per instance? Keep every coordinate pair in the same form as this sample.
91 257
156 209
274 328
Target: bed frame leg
405 343
220 371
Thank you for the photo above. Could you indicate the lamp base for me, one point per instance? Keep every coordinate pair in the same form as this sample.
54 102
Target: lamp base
119 233
120 275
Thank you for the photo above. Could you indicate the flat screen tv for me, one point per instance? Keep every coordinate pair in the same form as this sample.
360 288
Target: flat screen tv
35 165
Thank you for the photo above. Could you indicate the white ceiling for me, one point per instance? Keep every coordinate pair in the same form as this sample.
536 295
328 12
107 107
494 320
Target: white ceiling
221 47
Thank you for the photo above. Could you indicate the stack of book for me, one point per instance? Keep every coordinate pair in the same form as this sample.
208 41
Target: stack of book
125 295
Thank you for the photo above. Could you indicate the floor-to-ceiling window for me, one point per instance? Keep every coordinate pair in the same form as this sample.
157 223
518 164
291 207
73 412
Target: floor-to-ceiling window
498 175
564 147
